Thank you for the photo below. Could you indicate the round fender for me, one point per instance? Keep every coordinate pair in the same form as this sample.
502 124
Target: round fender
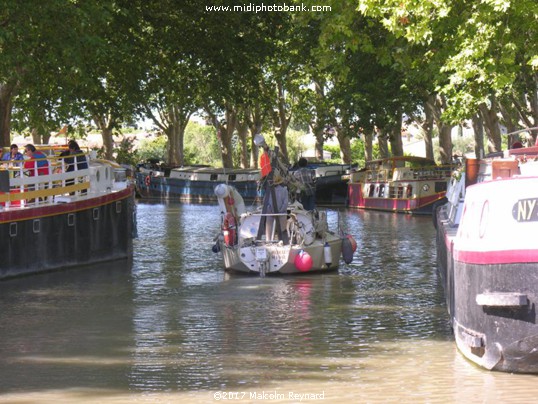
347 250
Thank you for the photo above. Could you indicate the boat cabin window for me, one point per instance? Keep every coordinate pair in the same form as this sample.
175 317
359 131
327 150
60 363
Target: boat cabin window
213 177
440 186
232 177
381 190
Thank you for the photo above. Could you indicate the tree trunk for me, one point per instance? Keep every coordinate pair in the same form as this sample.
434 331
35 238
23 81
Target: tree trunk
175 140
318 131
383 145
36 137
318 128
6 95
478 129
242 131
283 121
344 140
344 134
491 125
445 143
427 130
226 132
40 137
105 125
510 121
368 146
177 119
395 137
255 123
438 105
173 121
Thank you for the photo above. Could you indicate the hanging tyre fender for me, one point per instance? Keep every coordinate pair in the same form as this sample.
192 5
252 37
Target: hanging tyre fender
347 250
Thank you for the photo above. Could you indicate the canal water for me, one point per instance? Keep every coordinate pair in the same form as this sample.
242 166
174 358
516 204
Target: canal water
172 327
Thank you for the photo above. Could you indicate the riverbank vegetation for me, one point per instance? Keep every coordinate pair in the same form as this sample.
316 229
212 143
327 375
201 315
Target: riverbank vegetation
357 73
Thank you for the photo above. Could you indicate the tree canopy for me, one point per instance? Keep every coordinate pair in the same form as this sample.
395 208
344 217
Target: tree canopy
355 69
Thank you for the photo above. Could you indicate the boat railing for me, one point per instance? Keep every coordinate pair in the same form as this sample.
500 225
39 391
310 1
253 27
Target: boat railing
19 187
409 174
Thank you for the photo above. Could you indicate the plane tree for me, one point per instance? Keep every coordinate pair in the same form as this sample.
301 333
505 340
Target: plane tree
63 60
486 47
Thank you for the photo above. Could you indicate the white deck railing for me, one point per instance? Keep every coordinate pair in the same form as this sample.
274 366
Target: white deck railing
32 190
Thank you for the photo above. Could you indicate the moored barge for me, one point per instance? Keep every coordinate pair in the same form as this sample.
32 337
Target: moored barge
65 217
488 260
404 184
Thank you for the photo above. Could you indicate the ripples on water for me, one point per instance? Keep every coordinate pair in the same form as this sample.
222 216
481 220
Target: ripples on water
174 327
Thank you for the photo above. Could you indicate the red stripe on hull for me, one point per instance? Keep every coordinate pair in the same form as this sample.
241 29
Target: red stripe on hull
62 208
357 200
496 257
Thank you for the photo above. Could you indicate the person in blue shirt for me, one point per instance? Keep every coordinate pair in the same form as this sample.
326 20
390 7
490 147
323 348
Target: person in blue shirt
13 154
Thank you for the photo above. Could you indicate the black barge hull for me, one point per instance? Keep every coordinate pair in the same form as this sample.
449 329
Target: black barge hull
66 235
492 307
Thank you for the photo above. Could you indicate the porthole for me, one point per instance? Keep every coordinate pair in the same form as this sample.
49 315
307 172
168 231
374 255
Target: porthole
71 219
96 214
13 229
425 187
36 225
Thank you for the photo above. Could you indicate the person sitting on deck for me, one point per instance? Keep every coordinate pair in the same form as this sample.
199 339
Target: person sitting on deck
36 160
74 160
79 160
13 154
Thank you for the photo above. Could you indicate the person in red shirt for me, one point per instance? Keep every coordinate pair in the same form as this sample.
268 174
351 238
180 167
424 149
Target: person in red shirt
265 161
36 160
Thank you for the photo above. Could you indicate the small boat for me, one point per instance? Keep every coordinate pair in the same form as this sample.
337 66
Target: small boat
305 245
488 260
64 218
404 184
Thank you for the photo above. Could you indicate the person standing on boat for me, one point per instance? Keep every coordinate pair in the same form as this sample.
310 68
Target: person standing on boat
37 161
306 177
13 154
281 196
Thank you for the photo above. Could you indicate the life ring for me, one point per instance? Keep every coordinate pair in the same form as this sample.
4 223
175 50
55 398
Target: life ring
147 180
229 229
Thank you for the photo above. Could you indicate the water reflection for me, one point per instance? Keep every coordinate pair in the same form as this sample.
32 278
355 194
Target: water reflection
174 327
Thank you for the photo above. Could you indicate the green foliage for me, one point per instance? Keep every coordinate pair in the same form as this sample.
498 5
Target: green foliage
461 145
294 144
201 145
357 152
125 152
154 149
